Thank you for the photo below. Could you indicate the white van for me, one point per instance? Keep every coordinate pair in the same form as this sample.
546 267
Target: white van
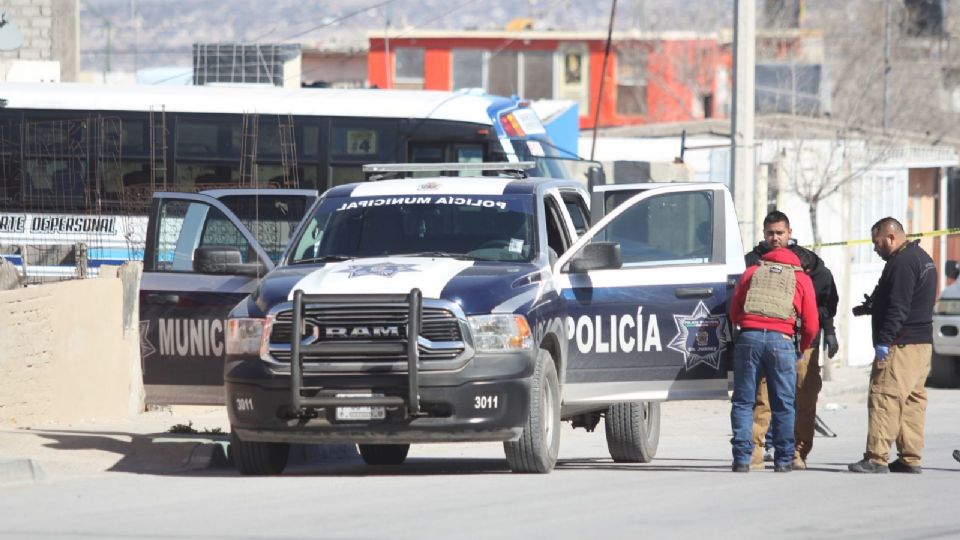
944 369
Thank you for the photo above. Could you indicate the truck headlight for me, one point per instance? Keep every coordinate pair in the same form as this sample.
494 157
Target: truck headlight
495 333
249 337
947 307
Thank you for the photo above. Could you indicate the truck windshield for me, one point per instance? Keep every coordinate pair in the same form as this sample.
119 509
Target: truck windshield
478 227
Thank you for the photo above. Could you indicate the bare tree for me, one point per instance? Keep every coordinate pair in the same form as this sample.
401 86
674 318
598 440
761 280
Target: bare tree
884 86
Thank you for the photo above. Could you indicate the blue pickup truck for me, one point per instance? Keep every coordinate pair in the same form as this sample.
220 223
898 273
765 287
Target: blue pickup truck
479 308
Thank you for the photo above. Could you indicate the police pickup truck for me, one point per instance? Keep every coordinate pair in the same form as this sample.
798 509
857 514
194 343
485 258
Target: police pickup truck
483 308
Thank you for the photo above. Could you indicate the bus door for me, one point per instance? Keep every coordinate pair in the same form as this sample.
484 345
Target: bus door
651 324
200 261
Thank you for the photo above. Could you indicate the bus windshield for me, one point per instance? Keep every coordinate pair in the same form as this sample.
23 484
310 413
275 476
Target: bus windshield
476 227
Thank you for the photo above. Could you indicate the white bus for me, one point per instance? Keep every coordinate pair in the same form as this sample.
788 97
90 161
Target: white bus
79 162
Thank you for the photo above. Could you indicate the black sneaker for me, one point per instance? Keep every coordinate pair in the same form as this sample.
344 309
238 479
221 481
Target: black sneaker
741 467
786 467
901 467
867 466
956 455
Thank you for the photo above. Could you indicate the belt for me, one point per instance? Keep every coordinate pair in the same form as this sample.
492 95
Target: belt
745 330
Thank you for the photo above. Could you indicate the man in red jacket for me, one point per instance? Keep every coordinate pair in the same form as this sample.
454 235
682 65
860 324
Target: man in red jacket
766 304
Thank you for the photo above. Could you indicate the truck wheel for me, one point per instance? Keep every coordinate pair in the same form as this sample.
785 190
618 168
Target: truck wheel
258 458
633 431
536 450
943 371
383 454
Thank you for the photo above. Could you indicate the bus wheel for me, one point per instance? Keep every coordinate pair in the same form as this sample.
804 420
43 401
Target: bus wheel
537 448
253 458
383 454
633 431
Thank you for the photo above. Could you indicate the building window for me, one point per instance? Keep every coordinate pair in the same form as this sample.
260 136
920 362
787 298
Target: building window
877 194
789 88
631 81
951 89
782 13
408 68
537 75
953 197
571 66
502 69
528 74
923 18
467 68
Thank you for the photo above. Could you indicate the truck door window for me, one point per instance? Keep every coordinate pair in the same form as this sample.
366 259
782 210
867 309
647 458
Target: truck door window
271 218
673 228
557 238
186 225
578 212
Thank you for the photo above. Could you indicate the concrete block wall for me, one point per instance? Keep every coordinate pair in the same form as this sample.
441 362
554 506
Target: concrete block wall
65 355
50 31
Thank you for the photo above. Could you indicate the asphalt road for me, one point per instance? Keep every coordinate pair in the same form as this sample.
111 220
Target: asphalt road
466 491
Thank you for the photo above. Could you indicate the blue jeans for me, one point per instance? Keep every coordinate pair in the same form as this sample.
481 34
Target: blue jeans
771 353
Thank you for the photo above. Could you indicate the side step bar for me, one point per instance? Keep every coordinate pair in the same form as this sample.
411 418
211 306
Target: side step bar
414 303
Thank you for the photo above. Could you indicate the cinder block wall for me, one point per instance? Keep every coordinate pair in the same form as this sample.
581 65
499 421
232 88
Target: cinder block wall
50 31
63 356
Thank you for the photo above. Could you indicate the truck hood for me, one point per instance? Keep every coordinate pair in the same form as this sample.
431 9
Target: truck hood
478 287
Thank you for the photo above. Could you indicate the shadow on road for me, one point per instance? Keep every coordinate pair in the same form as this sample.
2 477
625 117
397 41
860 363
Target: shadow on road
162 453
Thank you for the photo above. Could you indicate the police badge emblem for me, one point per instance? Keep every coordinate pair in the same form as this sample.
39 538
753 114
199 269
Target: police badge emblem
701 337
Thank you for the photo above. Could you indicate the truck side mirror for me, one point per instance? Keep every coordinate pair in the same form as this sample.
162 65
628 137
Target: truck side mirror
952 269
596 256
224 260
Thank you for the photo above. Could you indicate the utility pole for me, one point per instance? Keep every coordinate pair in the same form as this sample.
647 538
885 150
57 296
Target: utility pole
108 30
886 59
742 161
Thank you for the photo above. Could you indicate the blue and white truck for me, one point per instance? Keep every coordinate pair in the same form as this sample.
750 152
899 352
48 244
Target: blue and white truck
482 308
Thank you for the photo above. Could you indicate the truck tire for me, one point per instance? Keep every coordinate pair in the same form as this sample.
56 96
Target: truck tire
537 448
943 371
254 458
383 454
633 431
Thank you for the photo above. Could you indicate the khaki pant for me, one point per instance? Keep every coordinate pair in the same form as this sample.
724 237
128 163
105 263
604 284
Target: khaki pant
897 404
809 384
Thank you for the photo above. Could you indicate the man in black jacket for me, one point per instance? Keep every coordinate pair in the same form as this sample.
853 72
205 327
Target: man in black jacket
777 233
901 309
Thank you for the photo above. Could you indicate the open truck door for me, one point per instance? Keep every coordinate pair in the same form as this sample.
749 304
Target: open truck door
646 292
204 253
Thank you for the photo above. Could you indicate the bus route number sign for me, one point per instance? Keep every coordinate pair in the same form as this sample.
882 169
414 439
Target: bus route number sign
361 142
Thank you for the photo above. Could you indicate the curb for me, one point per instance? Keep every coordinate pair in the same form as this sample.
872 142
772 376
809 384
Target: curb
20 471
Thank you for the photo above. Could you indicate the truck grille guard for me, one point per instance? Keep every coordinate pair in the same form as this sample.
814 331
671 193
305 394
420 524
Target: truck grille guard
302 404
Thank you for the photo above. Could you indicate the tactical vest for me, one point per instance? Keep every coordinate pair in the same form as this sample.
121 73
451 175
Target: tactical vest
771 292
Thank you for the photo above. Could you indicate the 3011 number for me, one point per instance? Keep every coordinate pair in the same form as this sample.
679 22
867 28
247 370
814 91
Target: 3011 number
486 402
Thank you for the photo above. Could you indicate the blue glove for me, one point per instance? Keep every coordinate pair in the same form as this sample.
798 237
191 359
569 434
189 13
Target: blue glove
880 352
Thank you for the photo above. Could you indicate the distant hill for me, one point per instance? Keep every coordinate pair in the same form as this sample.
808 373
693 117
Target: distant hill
149 33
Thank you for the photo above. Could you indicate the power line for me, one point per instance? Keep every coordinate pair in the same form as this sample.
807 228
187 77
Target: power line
328 23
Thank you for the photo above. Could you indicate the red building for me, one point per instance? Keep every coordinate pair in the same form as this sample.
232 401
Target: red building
650 77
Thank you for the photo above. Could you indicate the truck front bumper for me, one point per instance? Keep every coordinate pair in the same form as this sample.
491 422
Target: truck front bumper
488 400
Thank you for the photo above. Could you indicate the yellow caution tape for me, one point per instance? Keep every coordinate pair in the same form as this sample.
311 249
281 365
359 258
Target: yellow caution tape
929 234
